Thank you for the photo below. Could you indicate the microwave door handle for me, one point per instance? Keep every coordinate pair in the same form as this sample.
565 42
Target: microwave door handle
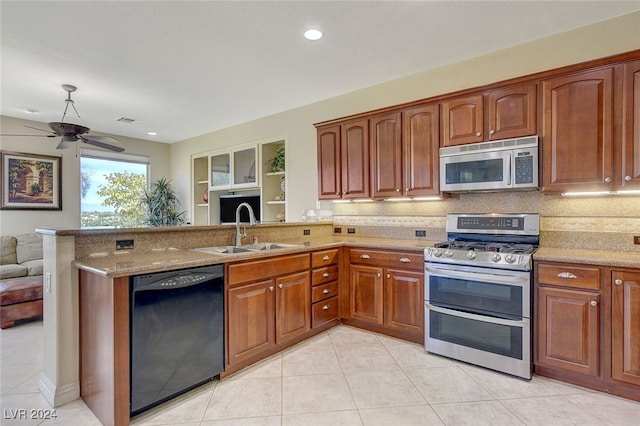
475 276
475 317
510 169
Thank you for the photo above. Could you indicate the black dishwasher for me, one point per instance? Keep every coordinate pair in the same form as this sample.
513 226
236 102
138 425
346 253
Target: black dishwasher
177 333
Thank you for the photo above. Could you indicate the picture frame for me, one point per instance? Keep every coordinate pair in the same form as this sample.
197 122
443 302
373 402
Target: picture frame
30 181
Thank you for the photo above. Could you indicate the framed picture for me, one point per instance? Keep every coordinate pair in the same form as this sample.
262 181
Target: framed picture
30 181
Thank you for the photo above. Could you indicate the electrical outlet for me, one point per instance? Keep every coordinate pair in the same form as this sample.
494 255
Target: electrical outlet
636 239
337 230
306 231
351 230
47 282
421 233
124 244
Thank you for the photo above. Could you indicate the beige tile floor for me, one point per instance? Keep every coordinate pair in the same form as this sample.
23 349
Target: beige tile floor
344 377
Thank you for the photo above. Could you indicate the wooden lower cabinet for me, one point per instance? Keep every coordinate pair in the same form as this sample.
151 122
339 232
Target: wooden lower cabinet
292 305
625 327
365 294
402 290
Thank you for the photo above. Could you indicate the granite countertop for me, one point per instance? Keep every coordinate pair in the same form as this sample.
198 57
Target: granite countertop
123 263
625 259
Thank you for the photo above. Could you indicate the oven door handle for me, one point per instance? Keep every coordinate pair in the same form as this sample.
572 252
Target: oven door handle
499 279
475 317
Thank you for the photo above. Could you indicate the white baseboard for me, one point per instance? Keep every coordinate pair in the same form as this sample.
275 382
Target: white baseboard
58 395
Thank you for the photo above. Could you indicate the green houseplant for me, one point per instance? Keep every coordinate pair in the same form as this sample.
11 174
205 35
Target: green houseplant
277 162
162 204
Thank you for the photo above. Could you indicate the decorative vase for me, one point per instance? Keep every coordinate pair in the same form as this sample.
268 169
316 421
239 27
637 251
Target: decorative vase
205 196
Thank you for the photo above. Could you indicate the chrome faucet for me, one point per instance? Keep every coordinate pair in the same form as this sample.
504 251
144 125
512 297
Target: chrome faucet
252 222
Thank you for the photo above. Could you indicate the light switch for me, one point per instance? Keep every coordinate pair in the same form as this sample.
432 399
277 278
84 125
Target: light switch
47 282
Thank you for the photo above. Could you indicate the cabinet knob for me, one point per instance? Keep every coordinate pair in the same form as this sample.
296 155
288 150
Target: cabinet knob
618 281
594 303
325 291
365 256
627 178
397 189
280 285
326 274
491 131
607 179
388 275
405 260
379 275
325 308
567 275
478 134
270 288
325 257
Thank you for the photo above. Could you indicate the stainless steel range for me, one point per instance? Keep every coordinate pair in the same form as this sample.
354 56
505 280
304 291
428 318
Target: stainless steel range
478 291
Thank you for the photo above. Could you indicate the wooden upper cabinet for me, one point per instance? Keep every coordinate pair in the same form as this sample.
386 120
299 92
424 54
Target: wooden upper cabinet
386 155
630 176
625 327
577 131
462 120
420 144
354 150
329 165
511 112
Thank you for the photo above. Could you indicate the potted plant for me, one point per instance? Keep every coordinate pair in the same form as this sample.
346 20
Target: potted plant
277 162
162 204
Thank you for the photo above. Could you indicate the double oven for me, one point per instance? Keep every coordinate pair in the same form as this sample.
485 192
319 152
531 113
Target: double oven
478 291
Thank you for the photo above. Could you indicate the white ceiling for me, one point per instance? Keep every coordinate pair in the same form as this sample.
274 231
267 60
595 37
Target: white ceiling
185 68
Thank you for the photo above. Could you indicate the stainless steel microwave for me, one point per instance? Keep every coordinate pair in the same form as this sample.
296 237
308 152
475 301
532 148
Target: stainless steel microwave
490 166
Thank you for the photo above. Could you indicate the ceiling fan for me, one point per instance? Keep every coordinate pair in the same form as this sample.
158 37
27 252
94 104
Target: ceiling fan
70 133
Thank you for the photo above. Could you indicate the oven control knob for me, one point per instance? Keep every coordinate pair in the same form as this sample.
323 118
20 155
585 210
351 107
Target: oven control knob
471 255
510 258
437 252
495 257
448 253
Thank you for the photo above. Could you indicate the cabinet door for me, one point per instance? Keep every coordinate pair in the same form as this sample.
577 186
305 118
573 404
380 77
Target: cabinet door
462 120
354 146
293 304
386 155
568 334
577 132
625 327
329 165
420 144
221 170
511 112
245 168
366 296
250 320
404 301
631 127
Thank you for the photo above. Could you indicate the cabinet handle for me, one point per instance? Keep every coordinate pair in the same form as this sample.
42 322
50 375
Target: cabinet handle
607 179
325 257
325 308
270 288
365 256
618 281
627 178
405 260
567 275
325 291
280 285
594 303
479 134
326 274
491 131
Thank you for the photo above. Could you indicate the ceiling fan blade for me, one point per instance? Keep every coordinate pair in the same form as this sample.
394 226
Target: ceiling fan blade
33 136
100 144
104 139
36 128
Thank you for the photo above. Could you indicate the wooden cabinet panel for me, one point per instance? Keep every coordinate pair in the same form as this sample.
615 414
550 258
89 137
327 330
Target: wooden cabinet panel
404 296
329 164
324 275
569 275
462 120
511 112
420 145
630 161
366 296
577 131
250 324
325 311
292 305
354 143
625 327
406 260
324 291
568 330
386 155
266 268
324 258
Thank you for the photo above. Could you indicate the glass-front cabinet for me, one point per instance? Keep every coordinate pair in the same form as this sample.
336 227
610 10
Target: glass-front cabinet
221 170
244 167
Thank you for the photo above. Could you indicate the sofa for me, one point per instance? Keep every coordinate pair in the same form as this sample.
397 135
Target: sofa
21 289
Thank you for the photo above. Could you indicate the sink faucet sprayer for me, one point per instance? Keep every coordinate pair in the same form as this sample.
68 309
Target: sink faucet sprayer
252 222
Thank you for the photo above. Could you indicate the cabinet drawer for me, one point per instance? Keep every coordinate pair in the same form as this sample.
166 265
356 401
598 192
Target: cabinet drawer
324 291
324 311
568 275
324 258
267 268
324 275
395 259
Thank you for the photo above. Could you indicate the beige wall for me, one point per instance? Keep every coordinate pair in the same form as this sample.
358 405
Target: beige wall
20 221
591 42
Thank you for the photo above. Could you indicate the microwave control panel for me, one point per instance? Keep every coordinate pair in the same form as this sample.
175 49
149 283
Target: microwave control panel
524 168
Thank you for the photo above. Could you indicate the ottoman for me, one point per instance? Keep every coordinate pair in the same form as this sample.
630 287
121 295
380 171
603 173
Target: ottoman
20 298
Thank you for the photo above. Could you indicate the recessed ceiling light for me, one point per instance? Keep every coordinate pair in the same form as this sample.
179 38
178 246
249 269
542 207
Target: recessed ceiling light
313 34
152 133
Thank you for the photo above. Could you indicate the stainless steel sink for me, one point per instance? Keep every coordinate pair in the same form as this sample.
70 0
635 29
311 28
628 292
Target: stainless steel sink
246 248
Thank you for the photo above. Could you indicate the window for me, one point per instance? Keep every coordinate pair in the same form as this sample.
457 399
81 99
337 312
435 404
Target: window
112 189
